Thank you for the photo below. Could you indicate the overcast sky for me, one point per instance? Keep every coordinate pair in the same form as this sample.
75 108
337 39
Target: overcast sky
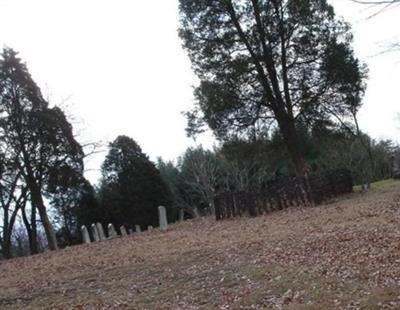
118 67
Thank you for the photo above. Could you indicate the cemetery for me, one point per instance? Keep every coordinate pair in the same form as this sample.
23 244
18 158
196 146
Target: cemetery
197 154
97 231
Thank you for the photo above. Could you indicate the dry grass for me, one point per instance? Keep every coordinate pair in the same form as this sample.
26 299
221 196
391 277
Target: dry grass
341 255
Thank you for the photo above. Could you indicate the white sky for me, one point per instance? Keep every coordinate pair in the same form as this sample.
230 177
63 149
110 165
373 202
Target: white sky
122 68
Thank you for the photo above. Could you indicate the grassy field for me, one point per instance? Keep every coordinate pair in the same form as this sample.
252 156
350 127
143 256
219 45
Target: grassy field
379 184
341 255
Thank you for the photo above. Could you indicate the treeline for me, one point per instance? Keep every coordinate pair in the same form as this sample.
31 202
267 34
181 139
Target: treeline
199 175
132 187
44 196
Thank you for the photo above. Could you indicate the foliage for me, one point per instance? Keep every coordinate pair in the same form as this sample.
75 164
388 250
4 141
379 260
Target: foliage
36 139
75 205
131 188
264 64
172 179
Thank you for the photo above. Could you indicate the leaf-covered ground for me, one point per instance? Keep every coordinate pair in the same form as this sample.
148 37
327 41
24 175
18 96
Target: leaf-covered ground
341 255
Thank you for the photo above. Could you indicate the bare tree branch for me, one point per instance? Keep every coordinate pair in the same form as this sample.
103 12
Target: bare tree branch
376 2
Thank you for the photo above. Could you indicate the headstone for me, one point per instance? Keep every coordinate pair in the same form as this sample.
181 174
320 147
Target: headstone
181 215
137 228
130 231
395 163
85 234
162 218
100 230
95 233
111 231
149 228
123 231
196 212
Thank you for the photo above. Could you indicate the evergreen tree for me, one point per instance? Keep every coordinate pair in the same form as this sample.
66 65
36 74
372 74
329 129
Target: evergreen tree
37 138
269 63
131 187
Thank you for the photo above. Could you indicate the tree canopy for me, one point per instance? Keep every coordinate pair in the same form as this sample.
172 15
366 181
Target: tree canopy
269 63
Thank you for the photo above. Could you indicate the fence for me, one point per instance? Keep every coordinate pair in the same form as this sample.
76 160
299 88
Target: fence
283 193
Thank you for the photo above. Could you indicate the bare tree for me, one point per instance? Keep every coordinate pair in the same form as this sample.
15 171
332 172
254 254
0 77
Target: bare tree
202 173
374 2
379 6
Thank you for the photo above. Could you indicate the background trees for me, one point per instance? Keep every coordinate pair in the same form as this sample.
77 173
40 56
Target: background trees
13 197
269 63
202 174
248 165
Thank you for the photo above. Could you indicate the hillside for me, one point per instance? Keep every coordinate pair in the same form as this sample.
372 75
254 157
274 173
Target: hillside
341 255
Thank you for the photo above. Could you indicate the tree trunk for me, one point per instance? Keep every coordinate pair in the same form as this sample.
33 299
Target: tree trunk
34 244
7 232
293 144
48 228
6 247
7 236
68 233
37 201
6 242
31 230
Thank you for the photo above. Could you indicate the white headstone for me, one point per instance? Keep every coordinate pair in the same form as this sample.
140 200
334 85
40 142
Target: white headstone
85 234
95 233
130 231
162 218
100 230
122 229
111 231
149 228
181 215
137 228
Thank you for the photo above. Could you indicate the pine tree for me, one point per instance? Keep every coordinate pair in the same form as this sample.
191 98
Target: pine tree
131 187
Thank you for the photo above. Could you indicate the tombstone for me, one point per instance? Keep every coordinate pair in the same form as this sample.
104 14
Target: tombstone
137 228
100 230
395 165
130 231
85 234
149 228
95 233
196 212
162 218
111 231
122 229
181 215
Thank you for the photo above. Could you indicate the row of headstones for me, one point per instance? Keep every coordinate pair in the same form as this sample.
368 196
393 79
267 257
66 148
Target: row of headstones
99 234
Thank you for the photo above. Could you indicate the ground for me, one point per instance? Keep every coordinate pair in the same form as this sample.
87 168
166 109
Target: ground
344 254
